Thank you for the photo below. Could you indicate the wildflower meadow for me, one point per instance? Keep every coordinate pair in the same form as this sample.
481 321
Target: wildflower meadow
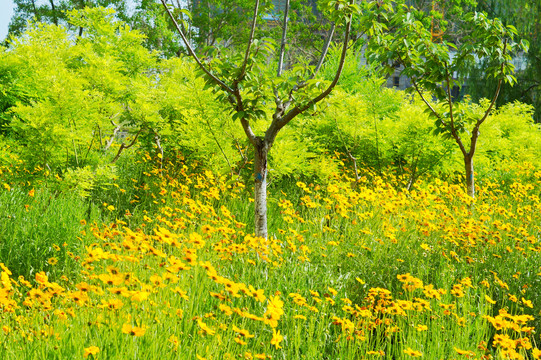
364 272
236 201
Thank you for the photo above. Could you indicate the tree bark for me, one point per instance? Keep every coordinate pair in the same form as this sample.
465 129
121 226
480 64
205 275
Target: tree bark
261 151
470 176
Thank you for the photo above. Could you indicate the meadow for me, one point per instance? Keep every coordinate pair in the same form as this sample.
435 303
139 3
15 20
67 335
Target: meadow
127 211
164 266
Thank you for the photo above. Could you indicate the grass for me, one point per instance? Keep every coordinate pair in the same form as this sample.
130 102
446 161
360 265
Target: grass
364 273
40 231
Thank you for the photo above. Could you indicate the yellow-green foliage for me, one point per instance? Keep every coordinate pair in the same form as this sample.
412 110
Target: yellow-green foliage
69 104
70 95
199 125
510 134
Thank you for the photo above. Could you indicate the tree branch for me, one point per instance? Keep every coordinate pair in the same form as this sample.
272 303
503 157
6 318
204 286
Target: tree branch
324 51
475 134
157 140
248 131
192 53
455 135
350 155
279 123
206 117
528 89
426 102
124 146
283 42
451 115
247 54
53 10
112 138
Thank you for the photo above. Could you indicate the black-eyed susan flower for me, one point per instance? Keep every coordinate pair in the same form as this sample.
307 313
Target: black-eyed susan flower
92 350
133 330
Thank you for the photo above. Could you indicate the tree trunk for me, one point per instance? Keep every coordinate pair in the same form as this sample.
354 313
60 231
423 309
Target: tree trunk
470 180
53 12
261 150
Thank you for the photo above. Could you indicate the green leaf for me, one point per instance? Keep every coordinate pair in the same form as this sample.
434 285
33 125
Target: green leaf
239 115
187 13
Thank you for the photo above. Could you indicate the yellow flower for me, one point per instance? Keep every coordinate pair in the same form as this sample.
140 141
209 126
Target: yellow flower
378 353
112 304
413 353
180 313
527 303
133 330
53 261
276 338
489 299
92 350
225 309
464 352
504 341
240 341
422 328
536 353
140 296
243 332
174 341
206 329
332 291
41 278
274 311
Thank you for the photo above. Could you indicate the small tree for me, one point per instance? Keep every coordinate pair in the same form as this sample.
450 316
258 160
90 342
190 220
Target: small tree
242 80
403 37
64 101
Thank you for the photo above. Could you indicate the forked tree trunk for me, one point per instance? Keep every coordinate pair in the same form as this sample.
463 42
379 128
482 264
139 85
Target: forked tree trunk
282 115
470 176
261 151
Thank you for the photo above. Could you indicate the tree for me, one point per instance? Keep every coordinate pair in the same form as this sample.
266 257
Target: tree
146 17
225 21
63 101
55 11
26 10
149 19
403 37
524 14
242 80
